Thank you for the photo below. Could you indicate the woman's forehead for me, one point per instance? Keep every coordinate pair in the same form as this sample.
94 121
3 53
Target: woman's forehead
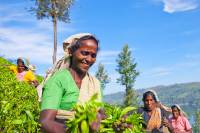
149 96
90 45
175 109
20 61
89 42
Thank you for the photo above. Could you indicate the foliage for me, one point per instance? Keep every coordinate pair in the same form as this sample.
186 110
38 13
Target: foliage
196 126
19 108
39 78
127 70
118 120
102 76
85 114
56 10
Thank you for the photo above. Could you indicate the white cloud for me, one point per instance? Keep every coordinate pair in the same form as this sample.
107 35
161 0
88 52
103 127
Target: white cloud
14 12
47 25
172 6
35 46
28 37
108 53
191 61
107 57
192 56
157 72
187 65
11 13
19 17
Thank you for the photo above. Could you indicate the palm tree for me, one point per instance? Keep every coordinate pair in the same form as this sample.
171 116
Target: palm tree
55 10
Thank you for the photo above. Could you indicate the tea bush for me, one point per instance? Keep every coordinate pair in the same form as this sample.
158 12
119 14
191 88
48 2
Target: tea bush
19 107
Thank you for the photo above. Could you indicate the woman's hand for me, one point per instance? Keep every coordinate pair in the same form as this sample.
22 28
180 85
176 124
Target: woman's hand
167 124
100 116
35 83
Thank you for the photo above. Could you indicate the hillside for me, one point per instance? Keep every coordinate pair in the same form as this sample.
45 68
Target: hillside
186 94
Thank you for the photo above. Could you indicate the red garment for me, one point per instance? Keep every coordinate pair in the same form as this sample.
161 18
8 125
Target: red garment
180 124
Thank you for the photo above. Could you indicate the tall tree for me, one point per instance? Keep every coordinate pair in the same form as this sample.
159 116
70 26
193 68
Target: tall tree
127 70
102 76
55 10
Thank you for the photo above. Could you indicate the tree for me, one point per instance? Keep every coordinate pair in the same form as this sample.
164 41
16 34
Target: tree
102 76
196 126
127 70
55 10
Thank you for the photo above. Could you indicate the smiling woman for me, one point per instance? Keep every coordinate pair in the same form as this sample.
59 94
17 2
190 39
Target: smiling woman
70 85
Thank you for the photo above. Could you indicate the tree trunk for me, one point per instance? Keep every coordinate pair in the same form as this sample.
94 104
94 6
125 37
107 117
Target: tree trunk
55 39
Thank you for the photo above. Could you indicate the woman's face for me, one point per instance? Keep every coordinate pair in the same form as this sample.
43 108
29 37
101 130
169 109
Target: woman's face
175 112
149 102
85 56
20 66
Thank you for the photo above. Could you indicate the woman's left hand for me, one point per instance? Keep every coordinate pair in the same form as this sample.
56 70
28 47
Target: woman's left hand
100 116
35 83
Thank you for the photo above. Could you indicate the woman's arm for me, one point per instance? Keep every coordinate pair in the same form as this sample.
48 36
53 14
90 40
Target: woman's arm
165 108
48 123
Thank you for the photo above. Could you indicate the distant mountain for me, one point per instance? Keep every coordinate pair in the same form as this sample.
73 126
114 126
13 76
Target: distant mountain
185 94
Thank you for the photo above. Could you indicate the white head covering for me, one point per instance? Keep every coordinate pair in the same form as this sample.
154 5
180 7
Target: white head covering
32 67
155 94
182 113
70 41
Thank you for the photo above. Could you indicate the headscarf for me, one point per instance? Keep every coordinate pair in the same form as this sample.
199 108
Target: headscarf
168 109
32 67
182 113
156 95
70 41
155 119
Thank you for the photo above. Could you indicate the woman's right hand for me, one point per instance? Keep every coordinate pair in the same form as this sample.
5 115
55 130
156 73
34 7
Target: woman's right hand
167 124
48 123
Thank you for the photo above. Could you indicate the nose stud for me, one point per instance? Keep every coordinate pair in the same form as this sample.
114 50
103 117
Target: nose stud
84 61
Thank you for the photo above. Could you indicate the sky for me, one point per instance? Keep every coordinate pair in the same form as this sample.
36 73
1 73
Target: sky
163 36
